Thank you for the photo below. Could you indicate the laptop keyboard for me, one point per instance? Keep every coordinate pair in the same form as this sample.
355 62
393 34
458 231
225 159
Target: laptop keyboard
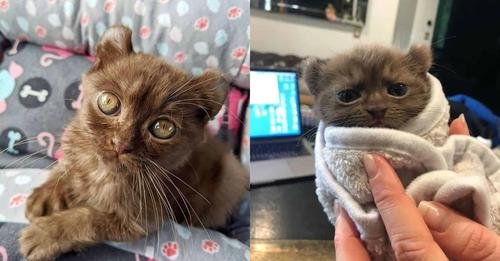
274 150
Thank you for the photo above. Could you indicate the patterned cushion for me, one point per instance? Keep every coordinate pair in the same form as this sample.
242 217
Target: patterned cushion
39 93
40 85
192 34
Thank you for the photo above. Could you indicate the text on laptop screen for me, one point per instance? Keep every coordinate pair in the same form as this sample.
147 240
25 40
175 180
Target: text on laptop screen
274 105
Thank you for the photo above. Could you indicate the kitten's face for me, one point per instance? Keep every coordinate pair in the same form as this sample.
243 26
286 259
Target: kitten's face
371 87
136 107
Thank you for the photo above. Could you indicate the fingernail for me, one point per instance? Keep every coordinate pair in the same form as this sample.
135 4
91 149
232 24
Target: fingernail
433 216
370 165
336 209
462 118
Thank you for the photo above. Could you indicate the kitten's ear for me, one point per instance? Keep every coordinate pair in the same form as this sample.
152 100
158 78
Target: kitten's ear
419 58
114 43
210 90
312 71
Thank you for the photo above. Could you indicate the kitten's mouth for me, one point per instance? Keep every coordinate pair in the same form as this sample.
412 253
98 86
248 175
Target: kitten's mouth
378 122
113 158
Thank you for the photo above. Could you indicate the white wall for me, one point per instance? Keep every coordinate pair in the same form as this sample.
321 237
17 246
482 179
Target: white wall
303 36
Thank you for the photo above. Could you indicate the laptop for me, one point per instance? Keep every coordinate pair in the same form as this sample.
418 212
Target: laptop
277 150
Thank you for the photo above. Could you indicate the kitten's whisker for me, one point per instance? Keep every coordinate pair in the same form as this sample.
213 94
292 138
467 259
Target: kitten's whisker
139 187
444 67
33 161
161 192
443 39
199 106
170 192
31 140
134 191
164 199
231 114
185 199
24 158
87 161
172 95
143 190
311 132
194 85
51 164
189 186
154 201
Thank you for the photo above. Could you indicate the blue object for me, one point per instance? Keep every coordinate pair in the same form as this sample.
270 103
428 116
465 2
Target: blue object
483 113
274 104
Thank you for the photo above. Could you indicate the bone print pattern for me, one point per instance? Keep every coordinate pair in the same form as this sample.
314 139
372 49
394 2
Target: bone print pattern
28 91
40 99
34 92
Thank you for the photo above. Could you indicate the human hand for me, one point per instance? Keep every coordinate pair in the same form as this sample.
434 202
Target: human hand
425 233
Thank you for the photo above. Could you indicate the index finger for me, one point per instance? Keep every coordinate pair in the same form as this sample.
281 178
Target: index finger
410 238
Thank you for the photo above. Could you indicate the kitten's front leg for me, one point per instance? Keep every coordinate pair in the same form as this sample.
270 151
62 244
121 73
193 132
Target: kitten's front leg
48 237
48 197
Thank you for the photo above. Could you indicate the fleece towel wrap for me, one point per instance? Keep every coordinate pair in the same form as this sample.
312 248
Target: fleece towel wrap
458 171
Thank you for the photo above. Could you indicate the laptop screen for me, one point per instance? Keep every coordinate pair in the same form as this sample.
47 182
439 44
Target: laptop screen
274 104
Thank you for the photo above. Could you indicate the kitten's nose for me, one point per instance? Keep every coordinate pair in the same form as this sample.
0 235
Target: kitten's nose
123 148
377 113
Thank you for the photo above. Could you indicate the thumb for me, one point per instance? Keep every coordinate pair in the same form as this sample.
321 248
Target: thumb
459 127
459 237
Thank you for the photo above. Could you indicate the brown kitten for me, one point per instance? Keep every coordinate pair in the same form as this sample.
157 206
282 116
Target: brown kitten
370 86
136 153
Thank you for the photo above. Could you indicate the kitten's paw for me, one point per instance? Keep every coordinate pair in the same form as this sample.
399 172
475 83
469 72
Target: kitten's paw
37 204
38 242
44 201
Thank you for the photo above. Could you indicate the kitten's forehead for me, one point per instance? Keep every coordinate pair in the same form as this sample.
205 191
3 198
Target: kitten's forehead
364 65
140 78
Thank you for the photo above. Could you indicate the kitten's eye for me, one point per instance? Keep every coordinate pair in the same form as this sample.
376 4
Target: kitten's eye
162 129
348 96
397 90
108 103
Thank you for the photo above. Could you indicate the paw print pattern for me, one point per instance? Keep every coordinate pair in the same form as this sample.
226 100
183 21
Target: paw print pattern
40 31
202 23
170 250
179 24
210 246
238 53
179 57
84 20
109 5
145 32
245 69
17 200
234 13
4 5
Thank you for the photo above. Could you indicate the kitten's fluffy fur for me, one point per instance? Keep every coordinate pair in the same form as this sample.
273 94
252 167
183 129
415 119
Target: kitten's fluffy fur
94 194
370 70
